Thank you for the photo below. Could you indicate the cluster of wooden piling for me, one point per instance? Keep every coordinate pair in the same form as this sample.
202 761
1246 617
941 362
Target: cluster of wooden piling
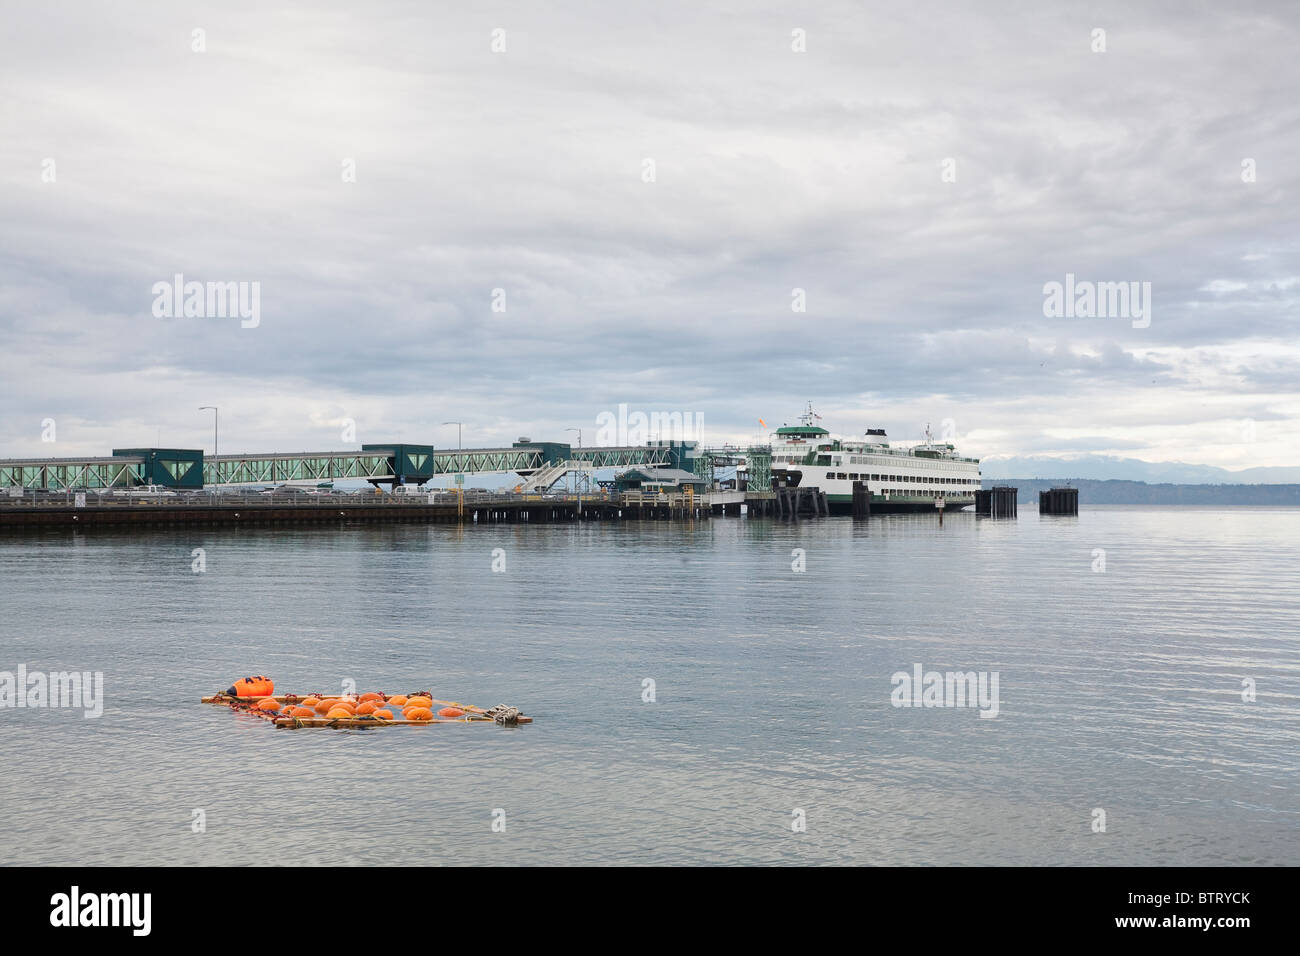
790 503
676 509
1059 501
996 502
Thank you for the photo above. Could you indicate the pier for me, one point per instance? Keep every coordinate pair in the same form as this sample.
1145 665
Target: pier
253 509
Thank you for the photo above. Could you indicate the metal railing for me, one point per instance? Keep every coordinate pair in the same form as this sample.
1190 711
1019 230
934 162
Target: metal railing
324 500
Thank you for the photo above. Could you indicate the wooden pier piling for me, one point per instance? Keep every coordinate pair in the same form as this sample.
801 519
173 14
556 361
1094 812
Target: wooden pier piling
996 502
1059 501
861 500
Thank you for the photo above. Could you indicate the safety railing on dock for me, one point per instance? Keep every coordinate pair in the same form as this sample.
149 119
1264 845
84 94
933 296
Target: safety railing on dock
252 500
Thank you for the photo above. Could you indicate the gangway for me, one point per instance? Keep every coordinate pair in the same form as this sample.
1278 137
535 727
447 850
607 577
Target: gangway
545 477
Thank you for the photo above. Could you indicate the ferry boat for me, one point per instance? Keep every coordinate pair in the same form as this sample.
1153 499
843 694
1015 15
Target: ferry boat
898 479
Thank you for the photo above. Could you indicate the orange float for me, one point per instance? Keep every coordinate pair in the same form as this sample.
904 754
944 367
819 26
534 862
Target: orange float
371 696
268 705
418 713
311 702
252 687
451 712
302 712
383 714
419 702
338 712
367 707
398 700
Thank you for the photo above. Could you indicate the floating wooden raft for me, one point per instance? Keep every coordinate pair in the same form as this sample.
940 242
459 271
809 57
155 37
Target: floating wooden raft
298 722
473 715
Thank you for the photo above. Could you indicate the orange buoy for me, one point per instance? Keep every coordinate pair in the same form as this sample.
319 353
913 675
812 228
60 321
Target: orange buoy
367 707
302 712
325 706
268 705
309 702
371 696
418 713
419 702
451 712
338 712
383 714
252 687
398 700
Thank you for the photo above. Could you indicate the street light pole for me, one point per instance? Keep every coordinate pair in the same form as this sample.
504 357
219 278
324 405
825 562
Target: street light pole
577 480
215 412
458 462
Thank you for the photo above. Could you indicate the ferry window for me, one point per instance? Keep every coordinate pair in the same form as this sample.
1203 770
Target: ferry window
853 476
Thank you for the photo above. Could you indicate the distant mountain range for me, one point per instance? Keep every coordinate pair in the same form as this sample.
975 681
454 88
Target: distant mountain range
1104 468
1117 492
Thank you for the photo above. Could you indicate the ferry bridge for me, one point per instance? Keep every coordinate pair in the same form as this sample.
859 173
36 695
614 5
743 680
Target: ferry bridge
541 464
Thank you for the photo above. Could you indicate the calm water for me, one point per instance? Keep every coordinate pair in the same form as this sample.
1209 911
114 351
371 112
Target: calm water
1118 690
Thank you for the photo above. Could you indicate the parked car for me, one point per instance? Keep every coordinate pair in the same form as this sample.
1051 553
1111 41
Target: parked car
145 490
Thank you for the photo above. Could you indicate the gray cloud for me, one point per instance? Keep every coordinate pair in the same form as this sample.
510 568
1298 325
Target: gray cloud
774 170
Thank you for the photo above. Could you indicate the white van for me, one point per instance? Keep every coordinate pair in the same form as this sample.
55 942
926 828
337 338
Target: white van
145 490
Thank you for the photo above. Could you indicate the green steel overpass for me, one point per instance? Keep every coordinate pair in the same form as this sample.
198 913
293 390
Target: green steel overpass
384 463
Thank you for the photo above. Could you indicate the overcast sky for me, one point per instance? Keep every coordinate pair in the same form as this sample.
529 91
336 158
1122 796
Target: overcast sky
774 170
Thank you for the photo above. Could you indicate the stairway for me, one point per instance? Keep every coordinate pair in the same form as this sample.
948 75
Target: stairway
544 477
